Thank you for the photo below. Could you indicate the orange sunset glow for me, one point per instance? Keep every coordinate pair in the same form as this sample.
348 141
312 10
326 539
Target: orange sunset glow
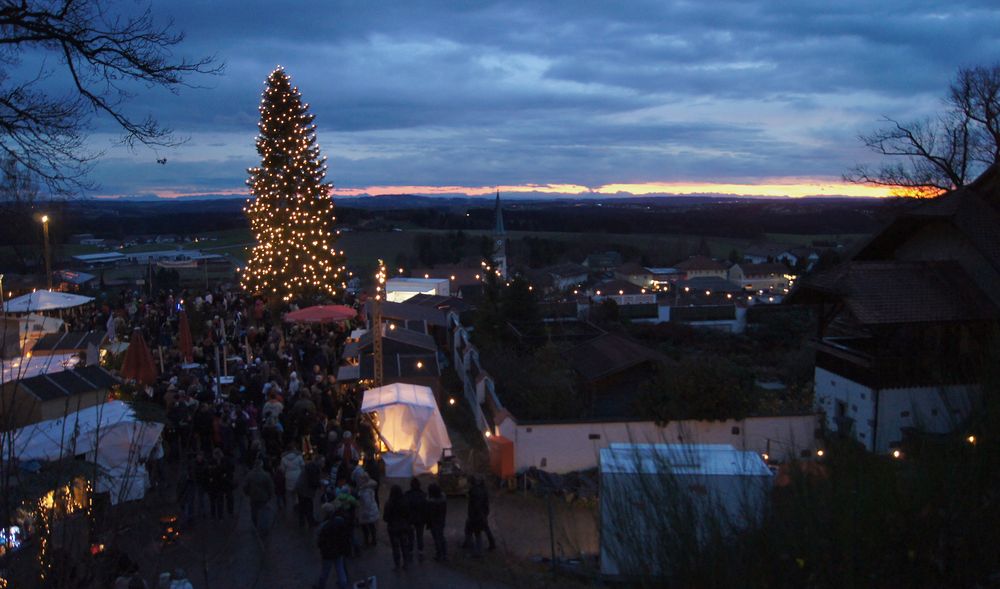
777 188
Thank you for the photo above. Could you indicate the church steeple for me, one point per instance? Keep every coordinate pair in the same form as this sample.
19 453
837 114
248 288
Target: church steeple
499 230
499 256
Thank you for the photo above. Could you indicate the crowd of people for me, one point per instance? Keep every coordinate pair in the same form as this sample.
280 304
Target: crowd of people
277 428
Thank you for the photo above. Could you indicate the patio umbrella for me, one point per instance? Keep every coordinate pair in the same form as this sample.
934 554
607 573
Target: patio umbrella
184 338
45 300
138 364
321 314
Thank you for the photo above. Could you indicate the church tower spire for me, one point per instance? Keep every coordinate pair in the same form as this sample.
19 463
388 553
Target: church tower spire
499 256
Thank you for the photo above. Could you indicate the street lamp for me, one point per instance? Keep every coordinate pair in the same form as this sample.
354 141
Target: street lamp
48 256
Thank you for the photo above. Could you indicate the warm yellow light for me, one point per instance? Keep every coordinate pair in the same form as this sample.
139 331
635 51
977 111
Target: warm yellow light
897 454
819 453
451 401
971 439
488 434
420 364
45 218
765 456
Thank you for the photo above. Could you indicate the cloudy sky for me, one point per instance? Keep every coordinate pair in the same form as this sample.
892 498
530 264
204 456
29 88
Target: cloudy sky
570 97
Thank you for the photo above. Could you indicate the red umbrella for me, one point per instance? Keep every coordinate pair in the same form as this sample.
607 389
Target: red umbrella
321 314
184 338
138 364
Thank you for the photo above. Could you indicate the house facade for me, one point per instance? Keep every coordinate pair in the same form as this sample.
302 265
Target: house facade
903 324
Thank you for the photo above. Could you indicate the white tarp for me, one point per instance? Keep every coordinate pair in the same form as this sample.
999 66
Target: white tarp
411 425
108 434
29 366
45 300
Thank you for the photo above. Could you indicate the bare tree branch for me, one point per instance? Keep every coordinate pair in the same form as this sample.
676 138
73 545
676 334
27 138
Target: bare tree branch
105 57
945 152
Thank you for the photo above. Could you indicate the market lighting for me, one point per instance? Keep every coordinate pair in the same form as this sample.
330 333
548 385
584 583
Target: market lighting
290 209
897 454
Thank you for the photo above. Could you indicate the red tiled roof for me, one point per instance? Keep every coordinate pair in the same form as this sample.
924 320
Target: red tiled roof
894 292
763 269
700 263
607 354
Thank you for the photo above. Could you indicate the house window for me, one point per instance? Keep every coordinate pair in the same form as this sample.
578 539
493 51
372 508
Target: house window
862 396
736 430
594 437
904 414
527 430
544 462
854 408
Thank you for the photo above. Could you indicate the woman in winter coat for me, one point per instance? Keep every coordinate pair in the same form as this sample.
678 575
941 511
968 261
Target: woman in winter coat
397 522
368 510
292 465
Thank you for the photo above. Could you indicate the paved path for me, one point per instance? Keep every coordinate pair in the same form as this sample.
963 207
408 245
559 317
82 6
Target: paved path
228 553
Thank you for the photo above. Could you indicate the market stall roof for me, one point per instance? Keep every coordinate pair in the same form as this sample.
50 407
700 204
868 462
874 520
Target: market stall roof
45 300
321 314
411 426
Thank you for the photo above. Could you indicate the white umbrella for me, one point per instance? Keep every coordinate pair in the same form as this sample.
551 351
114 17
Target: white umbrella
45 300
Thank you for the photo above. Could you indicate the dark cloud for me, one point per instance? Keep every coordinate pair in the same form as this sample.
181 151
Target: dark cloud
445 93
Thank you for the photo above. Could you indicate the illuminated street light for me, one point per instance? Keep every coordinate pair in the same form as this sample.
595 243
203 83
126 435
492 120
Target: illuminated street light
48 254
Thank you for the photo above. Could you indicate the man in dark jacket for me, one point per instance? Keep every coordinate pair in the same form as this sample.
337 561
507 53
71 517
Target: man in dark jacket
437 512
259 489
397 522
477 521
334 545
417 502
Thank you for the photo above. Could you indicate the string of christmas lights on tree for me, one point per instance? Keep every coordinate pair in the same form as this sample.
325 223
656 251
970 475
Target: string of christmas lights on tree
290 208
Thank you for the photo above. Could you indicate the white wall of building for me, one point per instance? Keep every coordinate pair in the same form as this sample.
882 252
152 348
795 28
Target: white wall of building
560 448
934 409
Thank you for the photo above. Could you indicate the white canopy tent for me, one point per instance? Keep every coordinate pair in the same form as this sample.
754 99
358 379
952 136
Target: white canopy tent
45 300
108 434
411 425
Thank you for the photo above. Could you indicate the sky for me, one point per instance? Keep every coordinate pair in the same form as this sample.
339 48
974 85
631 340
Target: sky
569 98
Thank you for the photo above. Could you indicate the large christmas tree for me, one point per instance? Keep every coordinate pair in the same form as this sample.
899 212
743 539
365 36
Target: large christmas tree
290 208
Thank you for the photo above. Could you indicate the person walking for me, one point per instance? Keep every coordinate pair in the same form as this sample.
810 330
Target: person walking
397 519
334 545
305 488
416 500
477 521
259 489
436 512
292 465
368 511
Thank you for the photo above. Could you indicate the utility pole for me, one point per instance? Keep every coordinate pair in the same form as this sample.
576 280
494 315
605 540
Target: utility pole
377 325
48 254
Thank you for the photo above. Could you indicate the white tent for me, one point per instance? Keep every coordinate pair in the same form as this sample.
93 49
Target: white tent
411 425
108 434
45 300
713 483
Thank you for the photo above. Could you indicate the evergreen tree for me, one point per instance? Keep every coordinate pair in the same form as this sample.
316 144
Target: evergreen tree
290 210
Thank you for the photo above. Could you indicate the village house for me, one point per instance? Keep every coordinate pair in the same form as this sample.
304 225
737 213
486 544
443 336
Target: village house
702 266
767 277
903 323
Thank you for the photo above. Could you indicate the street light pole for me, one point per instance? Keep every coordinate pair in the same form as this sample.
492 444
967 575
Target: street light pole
48 255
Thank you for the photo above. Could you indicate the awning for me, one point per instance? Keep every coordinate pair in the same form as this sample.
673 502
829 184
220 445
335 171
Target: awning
45 300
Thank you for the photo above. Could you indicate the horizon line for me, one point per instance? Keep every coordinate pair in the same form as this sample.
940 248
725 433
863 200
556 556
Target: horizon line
773 188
